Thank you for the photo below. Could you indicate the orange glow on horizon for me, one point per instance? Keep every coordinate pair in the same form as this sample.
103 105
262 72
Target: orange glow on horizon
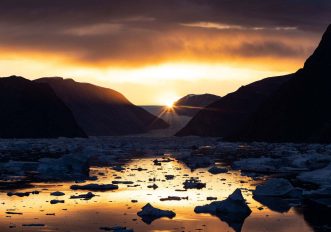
153 80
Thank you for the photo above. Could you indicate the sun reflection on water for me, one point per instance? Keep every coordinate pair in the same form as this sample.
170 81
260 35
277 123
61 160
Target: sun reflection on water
115 207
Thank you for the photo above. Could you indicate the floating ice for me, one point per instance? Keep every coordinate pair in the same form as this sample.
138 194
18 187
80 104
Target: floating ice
149 213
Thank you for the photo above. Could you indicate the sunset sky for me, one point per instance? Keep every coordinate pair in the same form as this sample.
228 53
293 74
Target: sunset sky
156 50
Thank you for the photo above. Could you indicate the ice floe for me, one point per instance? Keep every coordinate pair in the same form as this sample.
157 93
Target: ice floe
149 213
233 210
95 187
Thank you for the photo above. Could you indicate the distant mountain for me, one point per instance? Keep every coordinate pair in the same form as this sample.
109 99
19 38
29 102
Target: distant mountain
102 111
300 111
175 121
228 114
32 110
191 104
156 110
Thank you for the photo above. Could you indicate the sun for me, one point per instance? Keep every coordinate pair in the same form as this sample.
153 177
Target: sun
169 103
168 100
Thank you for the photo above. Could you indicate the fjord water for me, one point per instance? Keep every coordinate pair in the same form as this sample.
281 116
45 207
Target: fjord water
113 208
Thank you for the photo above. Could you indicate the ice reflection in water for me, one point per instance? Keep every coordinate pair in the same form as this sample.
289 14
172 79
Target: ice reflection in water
115 207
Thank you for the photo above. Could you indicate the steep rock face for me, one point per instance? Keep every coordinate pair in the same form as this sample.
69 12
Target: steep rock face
102 111
32 110
191 104
300 110
227 115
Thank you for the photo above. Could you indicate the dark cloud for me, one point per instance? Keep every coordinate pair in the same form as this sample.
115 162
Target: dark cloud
305 14
270 48
154 30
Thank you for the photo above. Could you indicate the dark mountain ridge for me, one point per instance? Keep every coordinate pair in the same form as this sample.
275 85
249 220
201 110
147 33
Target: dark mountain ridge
191 104
102 111
226 115
32 110
292 108
300 111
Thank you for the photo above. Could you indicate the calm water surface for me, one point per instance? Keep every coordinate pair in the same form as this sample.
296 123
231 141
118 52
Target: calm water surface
115 207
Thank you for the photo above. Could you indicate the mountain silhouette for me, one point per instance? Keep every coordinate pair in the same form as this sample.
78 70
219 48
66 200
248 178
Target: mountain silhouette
291 108
300 111
32 110
101 111
191 104
229 113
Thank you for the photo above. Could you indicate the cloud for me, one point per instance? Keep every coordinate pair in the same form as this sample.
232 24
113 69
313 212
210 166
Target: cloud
141 32
269 48
95 29
219 26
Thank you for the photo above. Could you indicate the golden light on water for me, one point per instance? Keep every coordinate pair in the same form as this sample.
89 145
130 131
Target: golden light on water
115 207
